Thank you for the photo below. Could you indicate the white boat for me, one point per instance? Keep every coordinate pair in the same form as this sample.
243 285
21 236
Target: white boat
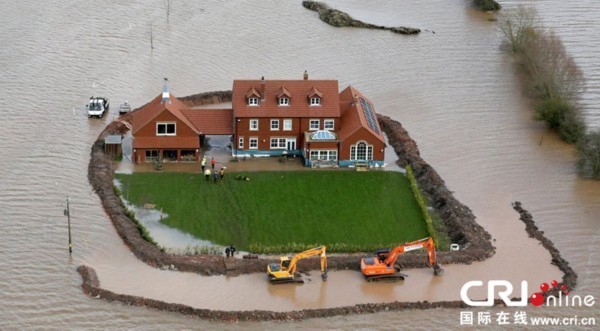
97 106
124 108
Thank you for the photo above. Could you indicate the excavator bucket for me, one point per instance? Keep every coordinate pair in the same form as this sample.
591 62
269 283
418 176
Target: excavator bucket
324 276
437 270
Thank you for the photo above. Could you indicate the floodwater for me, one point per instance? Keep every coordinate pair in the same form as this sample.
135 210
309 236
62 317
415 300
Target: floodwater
454 91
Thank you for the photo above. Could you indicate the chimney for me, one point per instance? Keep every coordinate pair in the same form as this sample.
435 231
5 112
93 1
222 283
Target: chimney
262 88
305 75
166 96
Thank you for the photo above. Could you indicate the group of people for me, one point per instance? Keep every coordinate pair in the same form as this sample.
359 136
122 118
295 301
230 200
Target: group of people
207 172
229 251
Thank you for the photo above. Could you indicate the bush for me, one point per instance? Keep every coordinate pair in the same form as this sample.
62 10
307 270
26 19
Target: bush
572 128
551 111
562 116
589 155
487 5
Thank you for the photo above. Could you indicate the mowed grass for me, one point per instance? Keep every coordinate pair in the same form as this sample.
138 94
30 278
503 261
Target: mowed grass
361 210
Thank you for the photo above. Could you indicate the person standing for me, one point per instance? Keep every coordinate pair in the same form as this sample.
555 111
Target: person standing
203 163
222 173
212 163
207 174
215 176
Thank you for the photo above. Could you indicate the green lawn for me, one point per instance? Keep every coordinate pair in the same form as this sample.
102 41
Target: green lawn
348 210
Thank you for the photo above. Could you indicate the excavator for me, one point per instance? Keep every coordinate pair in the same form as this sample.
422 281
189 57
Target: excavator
285 271
383 265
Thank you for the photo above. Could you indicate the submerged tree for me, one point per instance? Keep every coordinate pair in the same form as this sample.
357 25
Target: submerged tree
554 76
518 25
589 155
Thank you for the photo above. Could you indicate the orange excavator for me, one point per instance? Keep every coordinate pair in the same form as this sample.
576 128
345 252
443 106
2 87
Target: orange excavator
383 265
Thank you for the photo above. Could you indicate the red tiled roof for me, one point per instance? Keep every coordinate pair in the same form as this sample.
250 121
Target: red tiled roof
283 91
148 112
299 103
211 121
252 92
314 91
166 142
353 116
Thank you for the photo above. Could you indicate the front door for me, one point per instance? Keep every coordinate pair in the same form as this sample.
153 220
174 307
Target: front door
290 144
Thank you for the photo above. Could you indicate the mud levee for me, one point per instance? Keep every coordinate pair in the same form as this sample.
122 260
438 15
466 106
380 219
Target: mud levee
339 19
473 239
569 277
91 287
207 98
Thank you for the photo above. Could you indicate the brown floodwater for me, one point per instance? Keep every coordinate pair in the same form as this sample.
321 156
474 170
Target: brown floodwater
455 91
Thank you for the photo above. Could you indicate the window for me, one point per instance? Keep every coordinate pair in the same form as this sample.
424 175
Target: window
253 101
287 125
165 129
151 155
284 101
241 142
278 143
253 143
329 124
253 125
315 101
324 155
274 125
361 151
313 125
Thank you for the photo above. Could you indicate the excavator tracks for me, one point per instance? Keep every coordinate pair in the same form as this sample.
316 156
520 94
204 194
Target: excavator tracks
387 278
275 281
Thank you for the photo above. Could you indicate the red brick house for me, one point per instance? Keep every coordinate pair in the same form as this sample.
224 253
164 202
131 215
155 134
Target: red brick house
307 118
168 130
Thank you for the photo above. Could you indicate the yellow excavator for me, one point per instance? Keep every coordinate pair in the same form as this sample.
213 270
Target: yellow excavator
285 271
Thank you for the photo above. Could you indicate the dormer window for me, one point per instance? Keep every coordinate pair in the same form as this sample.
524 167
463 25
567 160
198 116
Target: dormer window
283 95
252 96
314 96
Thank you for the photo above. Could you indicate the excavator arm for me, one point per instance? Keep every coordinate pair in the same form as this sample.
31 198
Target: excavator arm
308 253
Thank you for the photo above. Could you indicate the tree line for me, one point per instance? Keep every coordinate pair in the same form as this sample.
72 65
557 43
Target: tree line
556 81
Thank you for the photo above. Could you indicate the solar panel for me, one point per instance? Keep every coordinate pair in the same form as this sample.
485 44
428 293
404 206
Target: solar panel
369 115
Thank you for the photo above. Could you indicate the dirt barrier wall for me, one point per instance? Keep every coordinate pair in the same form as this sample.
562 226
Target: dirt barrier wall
458 219
91 287
570 277
473 239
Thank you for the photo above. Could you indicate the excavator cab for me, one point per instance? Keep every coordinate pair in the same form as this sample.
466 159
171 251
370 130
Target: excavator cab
274 267
382 253
285 262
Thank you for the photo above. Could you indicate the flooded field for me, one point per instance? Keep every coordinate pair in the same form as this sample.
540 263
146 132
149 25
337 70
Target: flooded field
455 92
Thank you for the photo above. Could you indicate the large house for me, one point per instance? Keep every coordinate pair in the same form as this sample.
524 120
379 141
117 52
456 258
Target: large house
307 118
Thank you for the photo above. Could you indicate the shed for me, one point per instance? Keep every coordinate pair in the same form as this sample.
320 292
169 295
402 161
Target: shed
112 145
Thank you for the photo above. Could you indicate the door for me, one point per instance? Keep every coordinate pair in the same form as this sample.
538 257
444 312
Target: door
290 144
